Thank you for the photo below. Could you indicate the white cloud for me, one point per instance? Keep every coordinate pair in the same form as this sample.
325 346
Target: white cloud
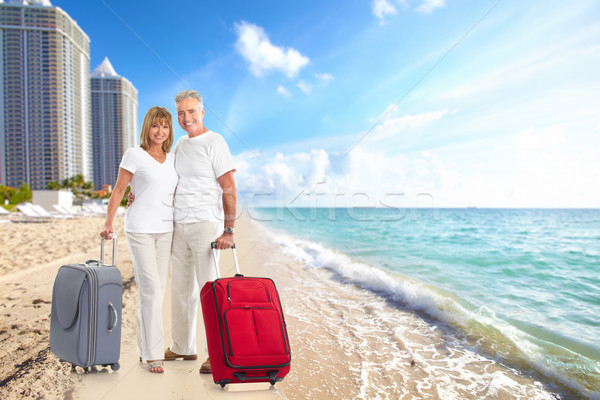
537 168
325 77
322 178
255 46
532 141
382 8
283 92
429 5
419 119
305 87
546 169
391 125
552 63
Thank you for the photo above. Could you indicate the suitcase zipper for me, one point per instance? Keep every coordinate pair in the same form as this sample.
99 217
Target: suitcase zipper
213 288
229 291
93 300
94 317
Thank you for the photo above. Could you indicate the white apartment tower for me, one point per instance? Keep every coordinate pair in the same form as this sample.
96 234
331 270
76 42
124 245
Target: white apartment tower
45 125
114 121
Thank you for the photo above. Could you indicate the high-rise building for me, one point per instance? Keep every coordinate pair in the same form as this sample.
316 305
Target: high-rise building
114 121
45 126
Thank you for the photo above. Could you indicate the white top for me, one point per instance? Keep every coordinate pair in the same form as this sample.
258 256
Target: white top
199 161
153 185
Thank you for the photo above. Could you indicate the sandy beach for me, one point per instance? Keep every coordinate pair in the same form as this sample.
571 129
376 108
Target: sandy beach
31 255
345 344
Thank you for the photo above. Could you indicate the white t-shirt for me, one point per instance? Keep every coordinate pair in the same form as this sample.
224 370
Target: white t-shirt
153 185
199 161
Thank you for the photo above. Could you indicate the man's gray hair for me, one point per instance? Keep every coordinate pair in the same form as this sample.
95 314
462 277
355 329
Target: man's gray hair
189 94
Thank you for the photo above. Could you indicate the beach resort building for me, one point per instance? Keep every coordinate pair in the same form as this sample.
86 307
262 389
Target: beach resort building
114 121
45 124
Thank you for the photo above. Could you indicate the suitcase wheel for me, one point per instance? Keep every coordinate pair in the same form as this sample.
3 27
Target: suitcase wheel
115 366
274 381
224 382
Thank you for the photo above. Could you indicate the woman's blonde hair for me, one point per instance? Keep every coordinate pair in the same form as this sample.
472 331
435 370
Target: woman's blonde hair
160 115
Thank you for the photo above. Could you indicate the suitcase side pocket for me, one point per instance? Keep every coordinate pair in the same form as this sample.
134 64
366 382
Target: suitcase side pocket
255 337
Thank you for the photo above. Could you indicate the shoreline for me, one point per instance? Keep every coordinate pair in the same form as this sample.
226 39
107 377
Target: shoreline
347 342
565 366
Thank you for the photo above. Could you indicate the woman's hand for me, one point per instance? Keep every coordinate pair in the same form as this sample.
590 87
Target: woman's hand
130 199
107 232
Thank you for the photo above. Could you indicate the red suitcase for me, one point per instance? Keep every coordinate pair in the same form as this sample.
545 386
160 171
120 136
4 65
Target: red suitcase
245 328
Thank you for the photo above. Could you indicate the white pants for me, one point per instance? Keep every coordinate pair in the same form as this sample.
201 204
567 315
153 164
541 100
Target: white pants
192 267
150 255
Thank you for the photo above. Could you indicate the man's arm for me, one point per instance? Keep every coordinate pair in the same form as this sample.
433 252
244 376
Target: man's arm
227 183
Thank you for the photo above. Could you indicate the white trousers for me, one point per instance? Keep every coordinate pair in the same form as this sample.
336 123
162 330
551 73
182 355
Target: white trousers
150 255
192 266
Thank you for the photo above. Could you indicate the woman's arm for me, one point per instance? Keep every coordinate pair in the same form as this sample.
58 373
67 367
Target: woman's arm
123 180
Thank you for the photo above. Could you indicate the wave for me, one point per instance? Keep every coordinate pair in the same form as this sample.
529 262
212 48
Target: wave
563 361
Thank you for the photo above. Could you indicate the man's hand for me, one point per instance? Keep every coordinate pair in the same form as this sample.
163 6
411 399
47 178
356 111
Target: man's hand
225 241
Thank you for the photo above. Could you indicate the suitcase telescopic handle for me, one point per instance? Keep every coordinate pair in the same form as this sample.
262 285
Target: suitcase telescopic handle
114 251
213 246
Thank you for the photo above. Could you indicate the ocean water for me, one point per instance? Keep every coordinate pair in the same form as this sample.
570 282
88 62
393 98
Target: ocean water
522 285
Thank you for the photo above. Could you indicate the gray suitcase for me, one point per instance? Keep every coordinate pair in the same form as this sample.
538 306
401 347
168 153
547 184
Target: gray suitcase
85 324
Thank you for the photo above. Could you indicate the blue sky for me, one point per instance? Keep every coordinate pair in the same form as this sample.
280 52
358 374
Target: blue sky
383 103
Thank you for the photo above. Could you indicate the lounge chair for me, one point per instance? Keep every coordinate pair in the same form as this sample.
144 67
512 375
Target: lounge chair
93 210
62 210
101 210
44 213
30 215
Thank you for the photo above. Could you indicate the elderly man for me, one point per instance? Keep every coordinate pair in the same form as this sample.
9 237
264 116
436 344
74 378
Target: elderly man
205 209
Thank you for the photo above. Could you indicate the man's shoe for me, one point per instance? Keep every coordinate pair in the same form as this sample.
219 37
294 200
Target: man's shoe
205 368
170 356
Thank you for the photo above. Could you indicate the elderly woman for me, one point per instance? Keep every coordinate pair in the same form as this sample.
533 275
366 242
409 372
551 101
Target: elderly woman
150 168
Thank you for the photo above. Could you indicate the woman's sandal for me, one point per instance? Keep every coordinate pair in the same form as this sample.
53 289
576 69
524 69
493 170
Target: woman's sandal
156 364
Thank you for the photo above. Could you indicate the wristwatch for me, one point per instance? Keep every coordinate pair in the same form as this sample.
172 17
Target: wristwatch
229 230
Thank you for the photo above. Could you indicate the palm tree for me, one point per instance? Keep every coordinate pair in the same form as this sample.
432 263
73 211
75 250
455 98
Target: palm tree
78 185
53 185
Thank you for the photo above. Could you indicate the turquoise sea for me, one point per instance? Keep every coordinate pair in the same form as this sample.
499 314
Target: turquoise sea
525 283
